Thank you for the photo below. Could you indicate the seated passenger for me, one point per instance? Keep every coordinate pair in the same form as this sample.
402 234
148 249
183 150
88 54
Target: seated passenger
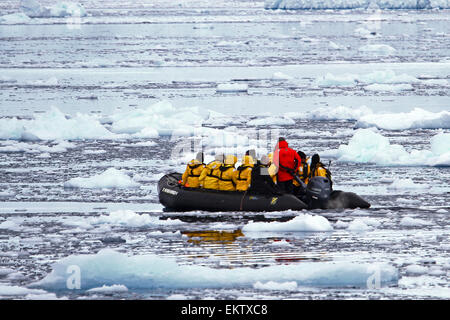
272 168
303 172
209 178
261 182
226 174
192 173
318 168
243 174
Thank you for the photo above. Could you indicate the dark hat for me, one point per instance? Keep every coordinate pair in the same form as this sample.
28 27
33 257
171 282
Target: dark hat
315 158
301 154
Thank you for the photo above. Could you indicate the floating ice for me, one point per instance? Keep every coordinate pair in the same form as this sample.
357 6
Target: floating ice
13 146
416 270
358 225
367 146
414 222
161 117
130 218
34 9
389 87
303 222
150 271
281 76
376 77
111 178
382 49
331 113
6 290
407 184
354 4
274 121
109 289
272 285
416 119
15 18
54 125
232 87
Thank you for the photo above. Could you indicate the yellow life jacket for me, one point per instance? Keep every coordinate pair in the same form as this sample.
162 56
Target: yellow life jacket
243 174
320 171
273 172
192 173
209 178
226 174
304 172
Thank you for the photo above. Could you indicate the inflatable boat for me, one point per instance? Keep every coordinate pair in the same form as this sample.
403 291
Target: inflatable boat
175 197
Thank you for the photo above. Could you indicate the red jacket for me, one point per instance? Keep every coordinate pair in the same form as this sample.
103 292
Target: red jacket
286 157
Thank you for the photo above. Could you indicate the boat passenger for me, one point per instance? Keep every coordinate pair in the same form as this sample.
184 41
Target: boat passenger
318 168
209 178
287 162
243 174
192 173
261 182
226 174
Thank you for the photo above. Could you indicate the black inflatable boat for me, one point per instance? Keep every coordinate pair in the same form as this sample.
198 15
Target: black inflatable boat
318 195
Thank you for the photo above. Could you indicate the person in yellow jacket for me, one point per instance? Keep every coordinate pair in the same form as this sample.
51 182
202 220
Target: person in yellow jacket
226 174
243 175
304 169
317 168
192 173
209 178
272 168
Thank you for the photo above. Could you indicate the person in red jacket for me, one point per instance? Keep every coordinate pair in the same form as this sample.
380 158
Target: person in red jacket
287 162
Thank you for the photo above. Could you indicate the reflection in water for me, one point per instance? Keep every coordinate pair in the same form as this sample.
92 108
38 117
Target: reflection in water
213 236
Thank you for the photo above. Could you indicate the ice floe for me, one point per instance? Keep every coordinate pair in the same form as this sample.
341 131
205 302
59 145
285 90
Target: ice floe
109 179
34 9
355 4
414 222
415 119
376 77
109 267
129 218
303 222
331 113
54 125
232 87
367 146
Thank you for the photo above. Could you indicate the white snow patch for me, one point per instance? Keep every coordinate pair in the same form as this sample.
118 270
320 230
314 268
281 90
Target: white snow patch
358 225
367 146
416 270
413 222
407 184
382 49
232 87
274 121
303 222
280 243
130 218
161 118
389 87
34 9
54 125
109 289
15 18
416 119
111 178
109 267
273 285
331 113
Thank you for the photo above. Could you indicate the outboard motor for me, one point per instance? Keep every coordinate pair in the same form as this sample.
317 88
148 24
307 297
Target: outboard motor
318 192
